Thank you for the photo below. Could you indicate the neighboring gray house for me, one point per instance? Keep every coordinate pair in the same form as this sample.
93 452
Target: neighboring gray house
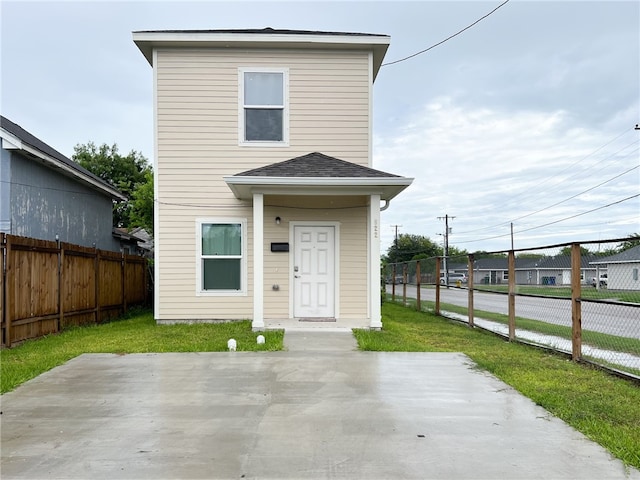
529 271
553 271
623 269
44 194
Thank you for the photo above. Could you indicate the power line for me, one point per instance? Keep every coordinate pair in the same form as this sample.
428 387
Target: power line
554 176
555 221
446 39
578 194
578 173
580 214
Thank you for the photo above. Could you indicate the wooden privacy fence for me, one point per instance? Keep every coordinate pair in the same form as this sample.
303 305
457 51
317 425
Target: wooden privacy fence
46 286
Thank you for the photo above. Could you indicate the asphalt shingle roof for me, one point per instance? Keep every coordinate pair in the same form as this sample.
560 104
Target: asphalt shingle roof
33 141
316 165
265 31
630 255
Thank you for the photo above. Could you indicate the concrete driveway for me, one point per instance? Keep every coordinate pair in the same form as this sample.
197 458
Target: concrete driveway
319 410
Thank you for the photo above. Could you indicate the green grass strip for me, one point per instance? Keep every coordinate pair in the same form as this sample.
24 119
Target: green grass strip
589 337
603 407
586 292
138 334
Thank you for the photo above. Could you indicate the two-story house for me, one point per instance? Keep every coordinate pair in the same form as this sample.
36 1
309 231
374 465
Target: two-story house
266 203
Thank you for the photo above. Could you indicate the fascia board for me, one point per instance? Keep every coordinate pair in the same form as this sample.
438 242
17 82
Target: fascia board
17 144
387 188
148 41
318 181
10 141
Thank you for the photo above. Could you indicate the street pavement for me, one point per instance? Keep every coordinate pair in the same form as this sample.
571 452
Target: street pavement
619 320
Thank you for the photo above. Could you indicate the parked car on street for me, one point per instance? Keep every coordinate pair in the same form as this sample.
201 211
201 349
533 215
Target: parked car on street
602 281
454 278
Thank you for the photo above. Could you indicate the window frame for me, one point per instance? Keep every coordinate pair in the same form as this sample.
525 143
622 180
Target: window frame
242 107
200 291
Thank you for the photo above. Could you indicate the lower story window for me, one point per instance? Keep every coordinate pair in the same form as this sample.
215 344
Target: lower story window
221 256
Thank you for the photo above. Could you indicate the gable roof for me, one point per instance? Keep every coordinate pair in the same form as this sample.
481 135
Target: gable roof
14 137
562 262
316 165
631 255
316 173
148 40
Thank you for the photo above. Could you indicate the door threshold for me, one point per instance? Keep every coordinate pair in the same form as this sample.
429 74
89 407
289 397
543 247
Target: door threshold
317 319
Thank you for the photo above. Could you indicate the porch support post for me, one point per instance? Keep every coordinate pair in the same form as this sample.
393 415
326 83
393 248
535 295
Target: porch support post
374 263
258 262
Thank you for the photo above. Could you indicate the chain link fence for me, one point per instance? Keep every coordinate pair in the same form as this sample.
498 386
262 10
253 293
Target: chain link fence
581 299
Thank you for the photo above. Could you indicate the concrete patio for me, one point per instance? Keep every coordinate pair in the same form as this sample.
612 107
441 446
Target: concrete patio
321 409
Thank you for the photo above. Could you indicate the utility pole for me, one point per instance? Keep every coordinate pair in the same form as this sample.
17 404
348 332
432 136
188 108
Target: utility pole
446 246
396 227
511 235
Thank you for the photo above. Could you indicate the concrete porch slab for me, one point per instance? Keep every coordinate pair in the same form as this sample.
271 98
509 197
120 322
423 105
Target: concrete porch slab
340 325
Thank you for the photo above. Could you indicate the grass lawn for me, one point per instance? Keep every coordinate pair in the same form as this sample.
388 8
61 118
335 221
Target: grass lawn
136 334
603 407
589 337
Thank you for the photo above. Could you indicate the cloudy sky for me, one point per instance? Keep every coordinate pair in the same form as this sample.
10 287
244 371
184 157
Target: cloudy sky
527 117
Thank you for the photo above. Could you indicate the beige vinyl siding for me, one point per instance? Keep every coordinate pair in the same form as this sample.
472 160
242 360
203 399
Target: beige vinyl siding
351 214
197 141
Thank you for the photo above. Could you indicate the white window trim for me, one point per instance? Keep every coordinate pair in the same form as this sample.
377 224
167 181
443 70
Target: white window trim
285 114
243 263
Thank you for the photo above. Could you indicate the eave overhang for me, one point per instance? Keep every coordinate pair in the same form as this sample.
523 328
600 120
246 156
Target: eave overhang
147 41
243 187
11 142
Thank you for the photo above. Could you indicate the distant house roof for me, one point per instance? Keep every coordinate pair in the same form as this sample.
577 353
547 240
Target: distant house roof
563 262
631 255
148 40
14 137
555 263
317 173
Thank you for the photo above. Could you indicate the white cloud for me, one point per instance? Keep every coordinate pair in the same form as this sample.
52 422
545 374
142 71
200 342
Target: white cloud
488 167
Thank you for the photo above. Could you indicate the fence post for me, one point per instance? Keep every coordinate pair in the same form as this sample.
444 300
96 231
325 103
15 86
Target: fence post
404 284
512 295
60 286
123 266
10 282
470 290
96 271
437 307
418 305
393 283
576 306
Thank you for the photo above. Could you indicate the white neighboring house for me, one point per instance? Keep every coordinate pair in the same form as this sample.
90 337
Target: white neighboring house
623 269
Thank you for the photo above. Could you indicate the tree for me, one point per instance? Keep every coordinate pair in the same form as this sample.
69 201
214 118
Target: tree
410 246
632 241
566 252
142 204
127 174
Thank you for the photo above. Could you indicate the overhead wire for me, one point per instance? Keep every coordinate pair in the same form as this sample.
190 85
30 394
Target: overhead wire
507 222
446 39
554 221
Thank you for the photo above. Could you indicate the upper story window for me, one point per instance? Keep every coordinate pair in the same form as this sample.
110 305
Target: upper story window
264 109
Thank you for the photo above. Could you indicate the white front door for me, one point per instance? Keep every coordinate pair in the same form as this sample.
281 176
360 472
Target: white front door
314 272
